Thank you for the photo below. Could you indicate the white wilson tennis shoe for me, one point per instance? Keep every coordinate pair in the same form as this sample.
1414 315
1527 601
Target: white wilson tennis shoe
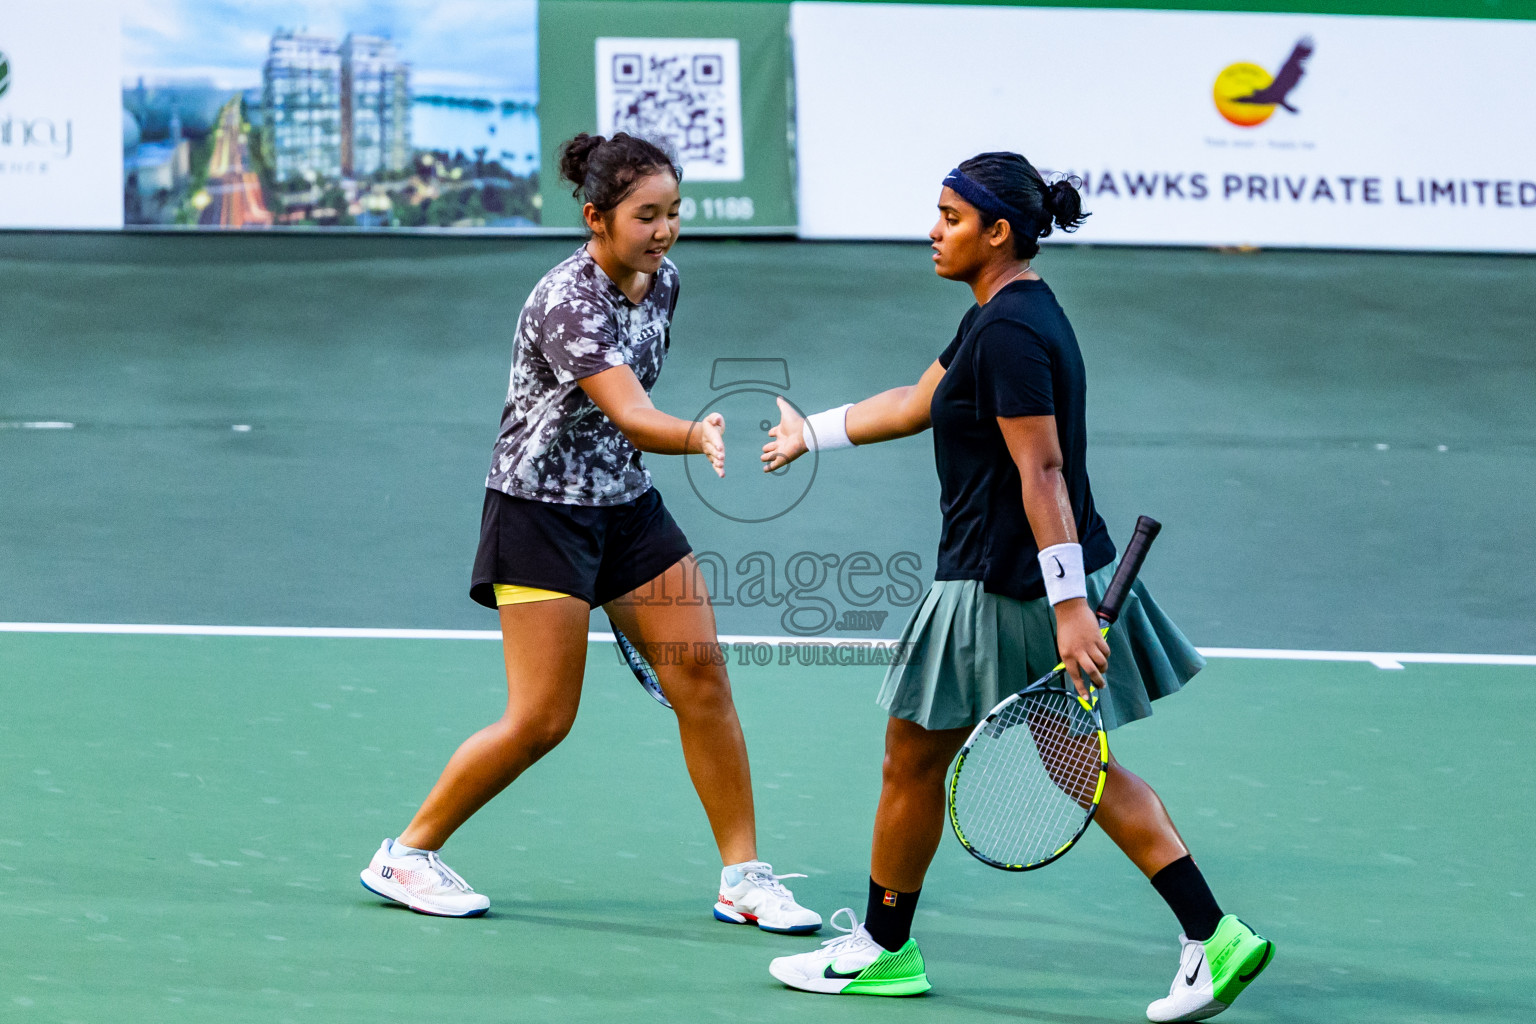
761 899
422 882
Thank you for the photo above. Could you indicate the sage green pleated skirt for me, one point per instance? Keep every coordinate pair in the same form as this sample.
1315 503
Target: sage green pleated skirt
964 650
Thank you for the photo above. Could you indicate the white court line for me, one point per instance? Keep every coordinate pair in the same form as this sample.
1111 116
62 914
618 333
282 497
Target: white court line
326 632
1377 658
1381 659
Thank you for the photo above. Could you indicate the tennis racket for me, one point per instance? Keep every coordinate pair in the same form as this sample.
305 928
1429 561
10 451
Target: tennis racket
1031 774
639 667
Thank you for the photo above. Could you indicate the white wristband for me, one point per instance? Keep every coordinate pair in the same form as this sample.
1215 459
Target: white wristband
1062 567
827 430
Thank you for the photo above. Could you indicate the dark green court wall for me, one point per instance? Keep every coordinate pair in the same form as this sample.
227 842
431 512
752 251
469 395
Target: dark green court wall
1342 445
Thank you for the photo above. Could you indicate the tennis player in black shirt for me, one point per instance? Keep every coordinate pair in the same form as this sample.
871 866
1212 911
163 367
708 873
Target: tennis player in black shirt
1023 560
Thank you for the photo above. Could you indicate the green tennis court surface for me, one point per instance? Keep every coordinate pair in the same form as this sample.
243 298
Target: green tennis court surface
186 817
1342 446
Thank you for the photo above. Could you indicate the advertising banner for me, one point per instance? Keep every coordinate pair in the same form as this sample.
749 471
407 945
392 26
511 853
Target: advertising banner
329 114
59 124
1184 128
834 119
709 77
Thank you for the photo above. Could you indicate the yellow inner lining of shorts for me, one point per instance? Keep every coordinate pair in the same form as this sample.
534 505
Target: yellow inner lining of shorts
508 593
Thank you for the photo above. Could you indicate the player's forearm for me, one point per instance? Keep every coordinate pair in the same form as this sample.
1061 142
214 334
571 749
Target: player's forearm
651 430
887 416
1048 506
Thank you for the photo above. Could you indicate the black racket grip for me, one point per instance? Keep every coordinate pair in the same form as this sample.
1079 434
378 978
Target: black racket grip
1130 567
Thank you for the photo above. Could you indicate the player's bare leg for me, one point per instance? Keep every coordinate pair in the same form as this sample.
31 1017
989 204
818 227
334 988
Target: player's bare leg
1132 814
909 823
683 639
880 956
684 649
545 647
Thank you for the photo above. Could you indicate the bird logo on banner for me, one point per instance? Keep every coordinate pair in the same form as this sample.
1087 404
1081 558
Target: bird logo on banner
1247 95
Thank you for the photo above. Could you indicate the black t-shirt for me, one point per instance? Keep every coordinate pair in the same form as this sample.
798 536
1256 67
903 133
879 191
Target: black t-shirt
1015 356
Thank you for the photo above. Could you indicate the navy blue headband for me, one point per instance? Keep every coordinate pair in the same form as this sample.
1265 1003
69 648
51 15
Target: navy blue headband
987 201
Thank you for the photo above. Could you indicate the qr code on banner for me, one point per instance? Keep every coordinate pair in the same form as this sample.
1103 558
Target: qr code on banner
687 91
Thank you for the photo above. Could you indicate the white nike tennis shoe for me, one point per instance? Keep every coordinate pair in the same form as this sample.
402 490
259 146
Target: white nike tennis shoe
854 964
1213 973
1192 995
422 882
760 898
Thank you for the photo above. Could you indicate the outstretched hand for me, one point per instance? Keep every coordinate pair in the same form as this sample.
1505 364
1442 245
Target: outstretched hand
788 442
712 441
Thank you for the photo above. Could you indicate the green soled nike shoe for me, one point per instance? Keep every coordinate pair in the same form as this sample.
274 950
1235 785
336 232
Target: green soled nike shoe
1213 973
855 964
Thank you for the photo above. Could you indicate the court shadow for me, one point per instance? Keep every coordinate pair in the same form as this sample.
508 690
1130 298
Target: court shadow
545 914
1015 1012
383 904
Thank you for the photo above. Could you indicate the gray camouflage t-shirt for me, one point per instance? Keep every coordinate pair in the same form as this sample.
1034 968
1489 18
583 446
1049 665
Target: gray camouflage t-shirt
556 445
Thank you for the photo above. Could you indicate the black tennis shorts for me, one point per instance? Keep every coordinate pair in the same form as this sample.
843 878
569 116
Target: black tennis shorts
594 552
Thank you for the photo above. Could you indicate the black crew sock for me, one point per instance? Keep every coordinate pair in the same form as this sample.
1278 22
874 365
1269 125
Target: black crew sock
888 916
1183 886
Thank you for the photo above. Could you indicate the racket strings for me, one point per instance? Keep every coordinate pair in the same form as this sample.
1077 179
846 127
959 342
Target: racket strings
637 665
1029 779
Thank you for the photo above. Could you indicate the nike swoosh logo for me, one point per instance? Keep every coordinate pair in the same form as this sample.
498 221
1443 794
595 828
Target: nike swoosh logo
1189 979
1269 948
1061 572
830 973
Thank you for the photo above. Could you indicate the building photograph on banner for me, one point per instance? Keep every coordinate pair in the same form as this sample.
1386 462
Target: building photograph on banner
330 113
716 98
58 115
1184 128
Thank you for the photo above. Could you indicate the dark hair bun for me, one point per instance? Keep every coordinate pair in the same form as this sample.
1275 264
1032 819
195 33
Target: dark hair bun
605 171
1038 206
575 155
1065 204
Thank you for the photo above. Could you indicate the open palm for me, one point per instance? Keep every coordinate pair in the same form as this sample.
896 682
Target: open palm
788 439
